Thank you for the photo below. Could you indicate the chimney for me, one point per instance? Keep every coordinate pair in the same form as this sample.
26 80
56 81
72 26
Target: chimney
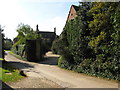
37 28
55 30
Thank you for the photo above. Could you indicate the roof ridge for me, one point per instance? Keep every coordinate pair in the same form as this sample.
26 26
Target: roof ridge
76 7
46 31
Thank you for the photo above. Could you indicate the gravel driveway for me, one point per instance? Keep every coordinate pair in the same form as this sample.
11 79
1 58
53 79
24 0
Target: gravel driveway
47 74
33 80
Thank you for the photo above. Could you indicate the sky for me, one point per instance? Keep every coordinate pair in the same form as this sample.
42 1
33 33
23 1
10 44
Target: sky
46 13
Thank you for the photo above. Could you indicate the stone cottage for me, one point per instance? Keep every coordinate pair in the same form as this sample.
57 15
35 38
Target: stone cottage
47 34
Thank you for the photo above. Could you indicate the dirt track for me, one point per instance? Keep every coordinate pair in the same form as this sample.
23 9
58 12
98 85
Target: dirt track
48 74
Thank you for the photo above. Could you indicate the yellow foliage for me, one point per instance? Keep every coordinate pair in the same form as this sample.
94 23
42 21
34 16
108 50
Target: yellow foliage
94 42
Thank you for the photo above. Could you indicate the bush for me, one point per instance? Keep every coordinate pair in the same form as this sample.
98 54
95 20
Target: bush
7 44
45 46
55 46
63 63
90 43
18 49
13 49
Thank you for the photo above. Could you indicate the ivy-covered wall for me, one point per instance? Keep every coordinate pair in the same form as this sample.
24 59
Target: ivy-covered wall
90 43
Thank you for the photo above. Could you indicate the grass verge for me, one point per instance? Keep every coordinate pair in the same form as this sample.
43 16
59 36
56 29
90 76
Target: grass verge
1 59
6 50
17 56
8 73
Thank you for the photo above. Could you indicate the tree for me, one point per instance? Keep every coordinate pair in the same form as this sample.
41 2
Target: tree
25 32
78 34
8 44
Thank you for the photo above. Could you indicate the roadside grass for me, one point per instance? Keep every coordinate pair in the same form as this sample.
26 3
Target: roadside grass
8 73
21 58
1 59
6 50
17 56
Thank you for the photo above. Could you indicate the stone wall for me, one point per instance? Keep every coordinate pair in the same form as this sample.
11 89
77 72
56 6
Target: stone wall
33 50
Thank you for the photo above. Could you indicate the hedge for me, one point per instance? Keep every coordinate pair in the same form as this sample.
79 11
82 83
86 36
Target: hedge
90 43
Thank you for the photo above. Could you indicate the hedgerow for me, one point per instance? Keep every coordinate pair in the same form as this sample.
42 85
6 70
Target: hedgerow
90 43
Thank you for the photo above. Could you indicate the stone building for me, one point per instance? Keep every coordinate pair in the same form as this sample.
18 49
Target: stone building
47 35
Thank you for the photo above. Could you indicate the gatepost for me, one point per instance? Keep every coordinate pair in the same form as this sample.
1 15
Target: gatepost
1 52
1 56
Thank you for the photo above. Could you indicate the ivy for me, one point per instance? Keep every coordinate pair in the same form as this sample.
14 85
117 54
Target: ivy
96 41
90 43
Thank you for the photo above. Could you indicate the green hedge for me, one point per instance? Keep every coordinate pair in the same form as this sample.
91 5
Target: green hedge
93 68
90 43
20 49
1 59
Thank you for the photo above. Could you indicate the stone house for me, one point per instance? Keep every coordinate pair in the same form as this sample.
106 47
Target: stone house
47 35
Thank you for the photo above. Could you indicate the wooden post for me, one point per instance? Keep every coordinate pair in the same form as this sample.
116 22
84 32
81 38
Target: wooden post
1 52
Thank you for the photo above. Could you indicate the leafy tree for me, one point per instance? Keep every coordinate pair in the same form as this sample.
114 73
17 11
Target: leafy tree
7 44
25 32
73 42
78 34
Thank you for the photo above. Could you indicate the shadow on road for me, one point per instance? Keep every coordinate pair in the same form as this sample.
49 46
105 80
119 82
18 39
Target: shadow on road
6 87
49 60
5 53
20 65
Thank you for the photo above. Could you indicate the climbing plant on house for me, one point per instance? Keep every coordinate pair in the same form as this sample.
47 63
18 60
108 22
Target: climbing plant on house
91 41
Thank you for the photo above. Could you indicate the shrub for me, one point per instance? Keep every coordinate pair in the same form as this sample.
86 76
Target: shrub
63 63
90 43
18 49
55 46
7 44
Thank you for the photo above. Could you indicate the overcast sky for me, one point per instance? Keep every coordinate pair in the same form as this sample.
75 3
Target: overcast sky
46 13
